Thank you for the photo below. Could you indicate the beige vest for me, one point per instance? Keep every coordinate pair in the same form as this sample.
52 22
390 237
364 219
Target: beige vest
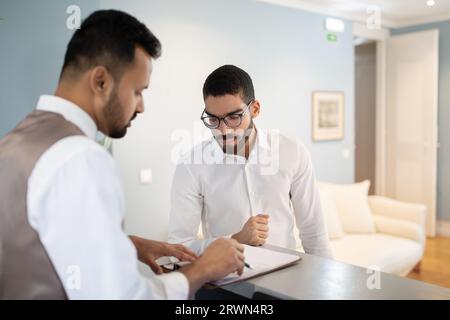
26 271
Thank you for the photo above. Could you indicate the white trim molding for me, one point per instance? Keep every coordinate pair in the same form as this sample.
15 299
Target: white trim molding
380 36
322 9
361 30
380 115
443 228
422 20
355 16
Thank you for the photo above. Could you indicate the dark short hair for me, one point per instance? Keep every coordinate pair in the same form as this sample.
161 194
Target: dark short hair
109 38
229 79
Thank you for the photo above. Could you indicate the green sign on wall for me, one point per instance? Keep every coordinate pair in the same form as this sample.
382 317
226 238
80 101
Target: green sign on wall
331 37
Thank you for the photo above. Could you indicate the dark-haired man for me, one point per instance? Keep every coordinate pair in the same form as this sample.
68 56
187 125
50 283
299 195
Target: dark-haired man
250 185
61 202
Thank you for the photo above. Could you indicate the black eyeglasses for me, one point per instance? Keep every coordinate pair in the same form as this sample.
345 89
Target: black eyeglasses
232 120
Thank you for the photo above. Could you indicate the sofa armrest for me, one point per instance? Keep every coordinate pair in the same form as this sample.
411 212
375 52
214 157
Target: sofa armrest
400 228
398 210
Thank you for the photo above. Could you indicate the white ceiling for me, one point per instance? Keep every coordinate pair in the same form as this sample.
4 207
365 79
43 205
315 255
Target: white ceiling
394 13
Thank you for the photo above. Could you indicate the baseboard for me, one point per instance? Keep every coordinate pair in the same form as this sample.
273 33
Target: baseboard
443 228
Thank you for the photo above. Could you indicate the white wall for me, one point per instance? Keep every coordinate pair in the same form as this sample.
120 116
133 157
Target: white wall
284 50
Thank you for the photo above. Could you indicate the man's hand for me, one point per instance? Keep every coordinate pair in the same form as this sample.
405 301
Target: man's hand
255 231
222 257
150 250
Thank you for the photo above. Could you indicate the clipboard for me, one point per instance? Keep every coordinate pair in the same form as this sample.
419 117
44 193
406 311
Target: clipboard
262 260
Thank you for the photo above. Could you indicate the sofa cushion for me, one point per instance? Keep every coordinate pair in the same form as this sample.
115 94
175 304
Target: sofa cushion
391 254
352 205
332 221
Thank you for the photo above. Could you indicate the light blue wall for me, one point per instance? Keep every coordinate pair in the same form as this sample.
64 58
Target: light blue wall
284 50
33 39
443 201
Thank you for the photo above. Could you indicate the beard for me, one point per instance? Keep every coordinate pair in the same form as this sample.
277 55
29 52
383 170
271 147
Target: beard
239 140
113 114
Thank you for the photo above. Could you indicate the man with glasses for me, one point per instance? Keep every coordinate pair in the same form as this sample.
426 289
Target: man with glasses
247 184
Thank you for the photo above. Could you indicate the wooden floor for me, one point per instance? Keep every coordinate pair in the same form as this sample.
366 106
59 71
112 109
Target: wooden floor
435 266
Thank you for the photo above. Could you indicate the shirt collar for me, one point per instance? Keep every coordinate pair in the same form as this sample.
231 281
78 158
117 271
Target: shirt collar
70 111
261 144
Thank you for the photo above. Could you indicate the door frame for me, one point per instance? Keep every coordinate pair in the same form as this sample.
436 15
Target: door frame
380 36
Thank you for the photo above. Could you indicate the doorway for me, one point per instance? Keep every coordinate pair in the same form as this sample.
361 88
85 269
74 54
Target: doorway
365 110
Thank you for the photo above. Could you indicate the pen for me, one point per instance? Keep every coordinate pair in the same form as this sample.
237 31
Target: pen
247 265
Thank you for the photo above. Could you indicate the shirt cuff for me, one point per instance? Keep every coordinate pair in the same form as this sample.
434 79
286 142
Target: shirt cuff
176 285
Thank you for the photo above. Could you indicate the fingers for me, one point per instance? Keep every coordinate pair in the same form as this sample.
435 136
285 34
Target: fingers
237 245
227 256
240 256
186 250
240 247
240 263
261 221
261 231
239 253
240 269
155 267
259 242
260 218
182 253
192 256
260 238
262 227
183 256
263 235
237 259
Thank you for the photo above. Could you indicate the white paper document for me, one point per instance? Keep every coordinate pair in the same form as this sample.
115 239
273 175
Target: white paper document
262 261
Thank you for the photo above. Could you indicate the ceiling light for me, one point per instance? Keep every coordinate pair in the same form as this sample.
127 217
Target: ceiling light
334 25
431 3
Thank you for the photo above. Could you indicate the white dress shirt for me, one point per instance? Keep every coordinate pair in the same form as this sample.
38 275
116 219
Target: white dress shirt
76 204
221 192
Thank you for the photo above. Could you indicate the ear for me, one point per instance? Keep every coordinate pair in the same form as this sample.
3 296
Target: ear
101 83
255 109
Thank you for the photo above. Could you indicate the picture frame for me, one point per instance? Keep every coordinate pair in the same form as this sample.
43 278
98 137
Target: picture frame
328 115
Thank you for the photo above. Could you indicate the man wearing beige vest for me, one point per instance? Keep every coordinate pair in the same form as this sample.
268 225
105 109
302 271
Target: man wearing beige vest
61 202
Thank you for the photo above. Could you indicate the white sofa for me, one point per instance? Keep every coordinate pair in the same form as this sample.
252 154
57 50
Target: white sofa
373 231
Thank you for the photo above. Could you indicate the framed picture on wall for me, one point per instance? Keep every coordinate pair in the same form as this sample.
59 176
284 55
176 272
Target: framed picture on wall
327 116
